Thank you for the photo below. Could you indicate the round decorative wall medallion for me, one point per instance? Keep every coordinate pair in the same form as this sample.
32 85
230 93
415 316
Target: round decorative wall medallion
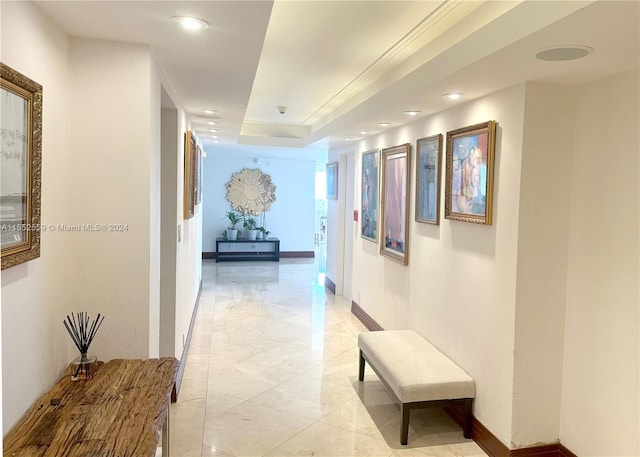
251 191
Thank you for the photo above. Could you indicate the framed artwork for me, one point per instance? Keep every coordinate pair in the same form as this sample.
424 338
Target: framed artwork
369 207
190 158
199 177
469 180
332 180
396 164
20 167
428 160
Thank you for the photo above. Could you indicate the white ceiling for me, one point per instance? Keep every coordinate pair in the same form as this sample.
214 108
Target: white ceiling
341 67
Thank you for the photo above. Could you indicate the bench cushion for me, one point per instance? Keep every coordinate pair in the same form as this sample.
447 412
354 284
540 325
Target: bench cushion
414 368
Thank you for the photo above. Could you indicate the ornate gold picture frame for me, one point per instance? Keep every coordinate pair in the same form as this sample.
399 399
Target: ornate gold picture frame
190 175
20 167
469 181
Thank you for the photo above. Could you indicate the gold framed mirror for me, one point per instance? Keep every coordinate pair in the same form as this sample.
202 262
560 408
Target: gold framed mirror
20 167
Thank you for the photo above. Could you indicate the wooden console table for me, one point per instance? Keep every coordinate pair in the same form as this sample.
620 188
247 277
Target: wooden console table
243 249
119 412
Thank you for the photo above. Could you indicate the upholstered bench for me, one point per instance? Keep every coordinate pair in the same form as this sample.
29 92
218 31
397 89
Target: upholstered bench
417 373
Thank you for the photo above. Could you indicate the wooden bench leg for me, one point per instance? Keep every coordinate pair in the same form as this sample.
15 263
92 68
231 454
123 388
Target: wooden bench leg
361 373
404 428
165 433
466 417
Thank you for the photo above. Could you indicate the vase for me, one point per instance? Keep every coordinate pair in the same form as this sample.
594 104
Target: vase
232 234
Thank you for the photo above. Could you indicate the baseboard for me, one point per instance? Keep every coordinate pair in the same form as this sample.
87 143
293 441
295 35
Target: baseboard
547 450
564 452
185 351
479 433
496 448
283 254
297 254
363 317
329 284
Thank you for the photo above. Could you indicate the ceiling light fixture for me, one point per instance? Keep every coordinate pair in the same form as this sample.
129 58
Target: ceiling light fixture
213 130
564 53
348 138
453 95
214 136
210 111
362 132
189 23
412 112
211 123
384 124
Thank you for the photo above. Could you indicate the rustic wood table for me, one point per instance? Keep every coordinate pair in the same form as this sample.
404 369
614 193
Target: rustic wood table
120 412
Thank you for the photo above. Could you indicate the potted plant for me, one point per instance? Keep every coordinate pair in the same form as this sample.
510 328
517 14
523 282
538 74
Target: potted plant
250 226
263 233
234 218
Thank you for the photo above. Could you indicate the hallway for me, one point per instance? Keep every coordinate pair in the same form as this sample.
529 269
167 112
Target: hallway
272 370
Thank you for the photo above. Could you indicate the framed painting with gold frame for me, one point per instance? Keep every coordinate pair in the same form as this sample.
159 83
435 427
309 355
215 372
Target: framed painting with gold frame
199 177
20 167
190 157
396 181
469 180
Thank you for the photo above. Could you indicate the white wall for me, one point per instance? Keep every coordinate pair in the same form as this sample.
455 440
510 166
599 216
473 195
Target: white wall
35 346
459 274
542 307
543 233
110 115
291 217
101 165
189 252
600 402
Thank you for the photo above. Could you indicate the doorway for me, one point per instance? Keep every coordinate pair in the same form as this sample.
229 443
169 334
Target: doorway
168 227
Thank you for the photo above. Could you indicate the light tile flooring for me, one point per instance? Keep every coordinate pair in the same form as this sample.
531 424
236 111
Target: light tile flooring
273 370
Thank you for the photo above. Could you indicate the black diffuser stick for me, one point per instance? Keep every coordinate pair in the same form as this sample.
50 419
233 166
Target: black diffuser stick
82 330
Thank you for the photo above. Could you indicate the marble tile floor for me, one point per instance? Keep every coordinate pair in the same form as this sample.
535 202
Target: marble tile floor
272 370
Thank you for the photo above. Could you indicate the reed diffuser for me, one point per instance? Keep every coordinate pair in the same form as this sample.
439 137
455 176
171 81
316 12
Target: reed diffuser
82 332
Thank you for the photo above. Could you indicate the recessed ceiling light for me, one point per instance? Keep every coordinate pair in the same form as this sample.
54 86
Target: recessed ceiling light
412 112
453 95
348 138
563 53
189 23
384 124
362 132
211 123
214 136
210 111
213 130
